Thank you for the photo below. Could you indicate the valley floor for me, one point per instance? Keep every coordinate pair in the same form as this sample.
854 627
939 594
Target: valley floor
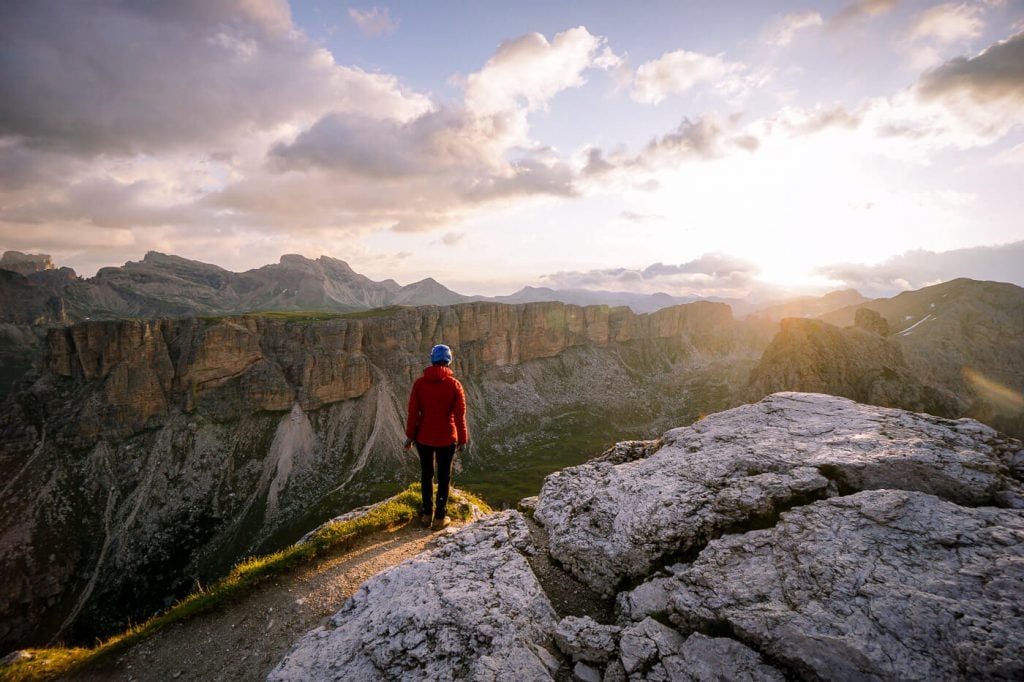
245 639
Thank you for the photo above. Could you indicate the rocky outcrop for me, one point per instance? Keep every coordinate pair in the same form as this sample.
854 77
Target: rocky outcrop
738 467
964 340
26 263
880 585
469 610
871 321
860 364
804 537
155 453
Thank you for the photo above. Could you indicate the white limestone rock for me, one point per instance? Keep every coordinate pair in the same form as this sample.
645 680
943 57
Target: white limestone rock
610 523
873 586
469 609
584 639
652 651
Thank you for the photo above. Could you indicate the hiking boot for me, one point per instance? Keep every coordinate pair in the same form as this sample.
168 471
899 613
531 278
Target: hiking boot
425 520
441 523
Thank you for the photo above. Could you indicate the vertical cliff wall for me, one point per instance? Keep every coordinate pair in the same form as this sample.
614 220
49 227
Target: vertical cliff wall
153 453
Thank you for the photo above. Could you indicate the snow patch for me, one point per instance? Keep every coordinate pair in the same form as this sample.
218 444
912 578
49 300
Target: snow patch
907 330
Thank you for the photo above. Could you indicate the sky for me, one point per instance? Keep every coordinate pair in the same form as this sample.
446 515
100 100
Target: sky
694 148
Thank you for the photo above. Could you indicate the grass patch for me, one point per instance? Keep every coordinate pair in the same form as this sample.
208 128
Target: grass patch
395 512
309 315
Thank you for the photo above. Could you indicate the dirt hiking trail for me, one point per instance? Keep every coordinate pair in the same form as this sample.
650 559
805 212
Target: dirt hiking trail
245 639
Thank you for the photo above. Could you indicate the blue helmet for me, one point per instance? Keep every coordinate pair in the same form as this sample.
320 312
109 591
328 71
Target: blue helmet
441 353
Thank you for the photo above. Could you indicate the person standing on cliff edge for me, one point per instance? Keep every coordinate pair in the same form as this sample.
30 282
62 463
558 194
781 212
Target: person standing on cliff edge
437 425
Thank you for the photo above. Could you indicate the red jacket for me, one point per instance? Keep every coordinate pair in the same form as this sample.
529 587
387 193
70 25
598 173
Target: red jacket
437 409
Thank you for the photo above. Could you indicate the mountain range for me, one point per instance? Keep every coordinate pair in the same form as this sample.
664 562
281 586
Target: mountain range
142 455
166 285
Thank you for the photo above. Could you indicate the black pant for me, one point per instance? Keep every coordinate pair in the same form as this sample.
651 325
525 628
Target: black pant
445 455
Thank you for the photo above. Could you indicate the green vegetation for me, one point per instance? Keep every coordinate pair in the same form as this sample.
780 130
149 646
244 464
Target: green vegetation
554 443
391 514
309 315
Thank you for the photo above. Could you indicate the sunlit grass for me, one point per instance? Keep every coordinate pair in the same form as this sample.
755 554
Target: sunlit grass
309 315
393 513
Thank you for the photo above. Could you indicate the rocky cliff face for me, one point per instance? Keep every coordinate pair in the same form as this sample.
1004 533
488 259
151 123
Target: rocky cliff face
803 537
152 453
954 349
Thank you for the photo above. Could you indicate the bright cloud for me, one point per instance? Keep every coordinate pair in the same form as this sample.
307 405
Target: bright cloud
676 72
216 128
525 73
948 23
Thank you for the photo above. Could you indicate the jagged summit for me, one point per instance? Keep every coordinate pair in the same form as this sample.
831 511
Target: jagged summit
805 536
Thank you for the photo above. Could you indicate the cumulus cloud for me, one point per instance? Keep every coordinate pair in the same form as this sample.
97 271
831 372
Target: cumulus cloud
915 269
939 28
948 23
433 168
712 274
374 21
222 118
525 73
676 72
786 30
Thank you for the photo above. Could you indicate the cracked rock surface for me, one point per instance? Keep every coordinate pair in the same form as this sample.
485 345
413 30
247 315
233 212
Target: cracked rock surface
879 585
612 523
469 609
802 537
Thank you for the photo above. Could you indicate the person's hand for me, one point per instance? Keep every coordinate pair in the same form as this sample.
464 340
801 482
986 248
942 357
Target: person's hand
459 447
408 443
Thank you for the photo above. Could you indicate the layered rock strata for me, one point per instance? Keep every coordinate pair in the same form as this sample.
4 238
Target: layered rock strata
149 454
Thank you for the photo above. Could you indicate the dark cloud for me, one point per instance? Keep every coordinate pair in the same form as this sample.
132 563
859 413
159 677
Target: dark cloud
995 75
915 269
373 147
96 77
691 139
461 155
596 163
